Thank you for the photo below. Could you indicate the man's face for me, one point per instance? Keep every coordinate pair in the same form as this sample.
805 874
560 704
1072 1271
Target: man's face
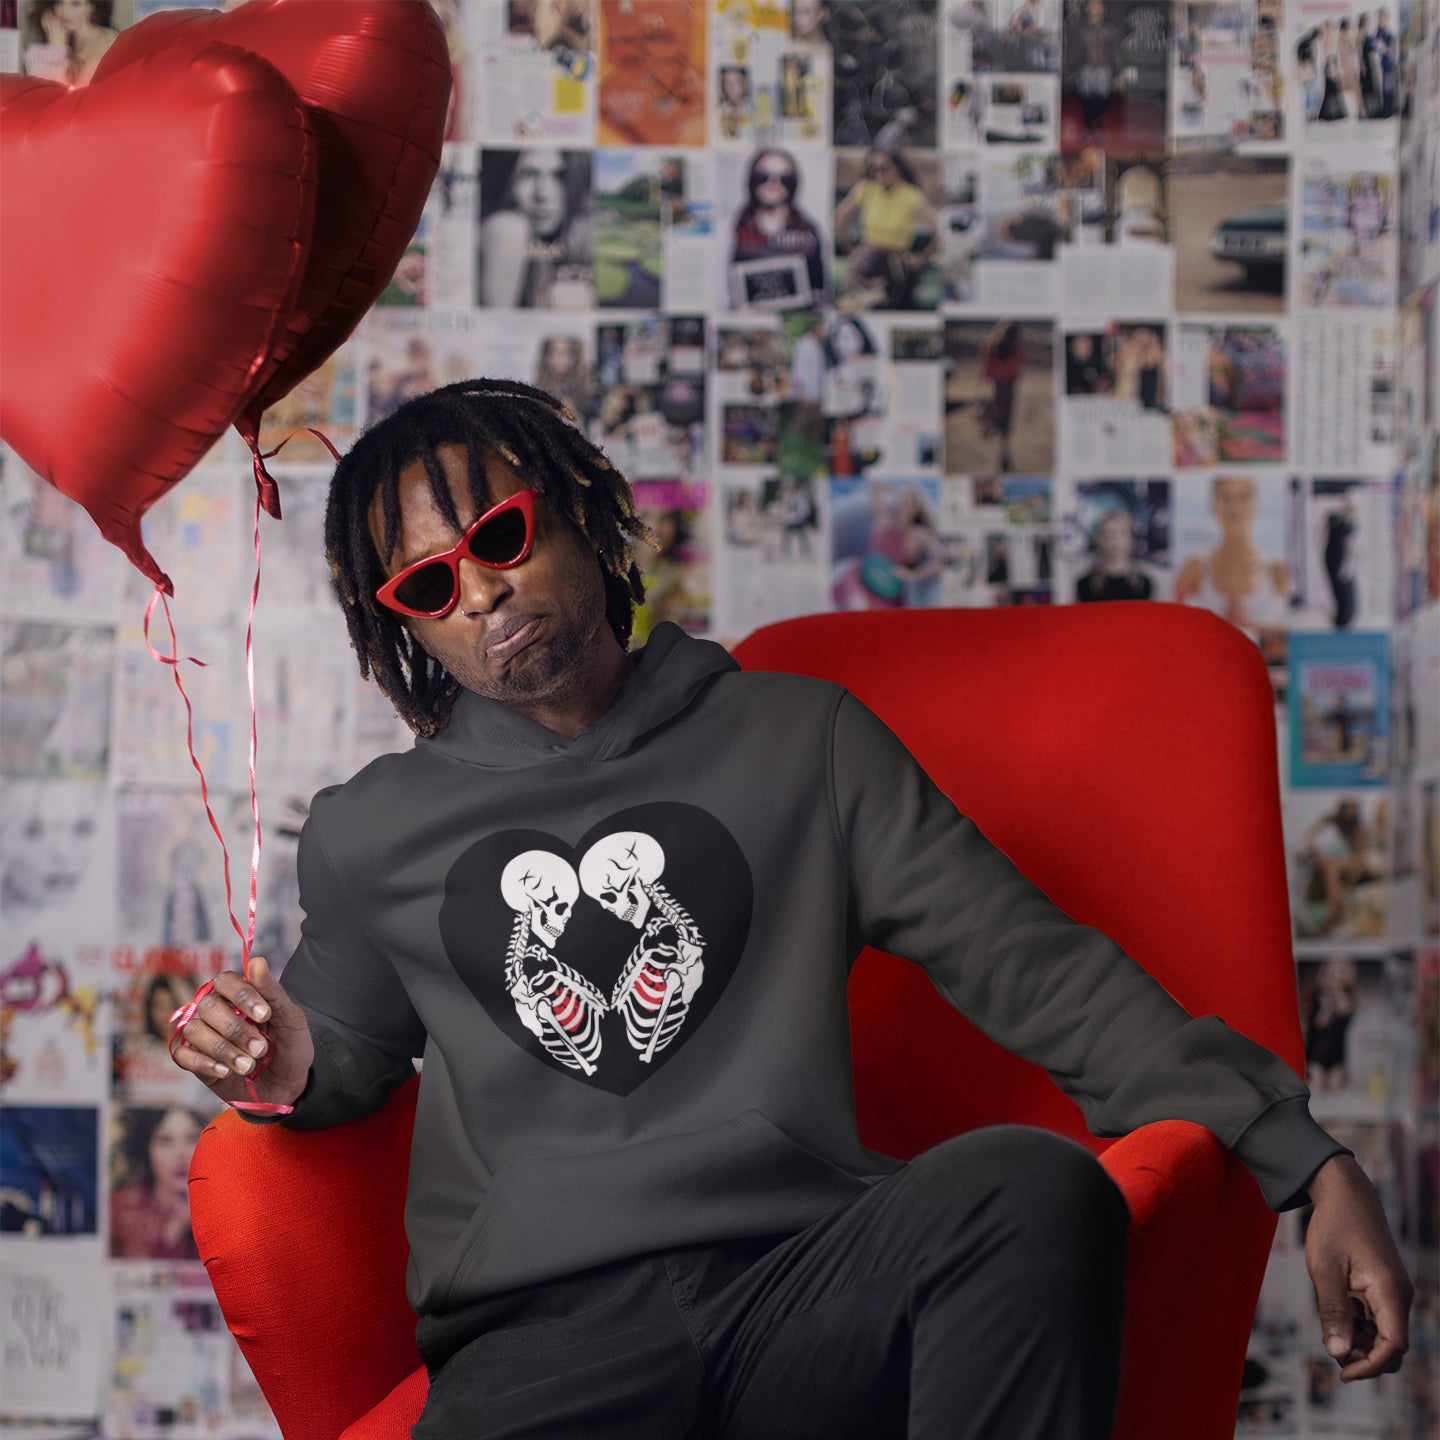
527 637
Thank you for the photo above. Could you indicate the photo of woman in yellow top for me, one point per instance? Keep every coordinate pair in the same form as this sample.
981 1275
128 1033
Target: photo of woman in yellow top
888 228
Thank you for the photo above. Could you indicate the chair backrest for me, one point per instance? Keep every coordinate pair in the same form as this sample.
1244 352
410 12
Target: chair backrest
1124 756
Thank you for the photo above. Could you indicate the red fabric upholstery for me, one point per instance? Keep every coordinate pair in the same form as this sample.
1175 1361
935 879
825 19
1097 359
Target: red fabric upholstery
302 1234
1124 756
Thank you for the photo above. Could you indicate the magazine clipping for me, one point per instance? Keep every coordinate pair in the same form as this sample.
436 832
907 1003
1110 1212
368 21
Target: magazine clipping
1345 60
1113 540
55 686
53 1363
1344 392
998 541
885 55
770 76
533 68
999 396
1226 85
886 227
1342 559
1114 75
1338 709
1228 396
1232 231
52 563
1022 222
1116 244
1338 842
652 64
1116 412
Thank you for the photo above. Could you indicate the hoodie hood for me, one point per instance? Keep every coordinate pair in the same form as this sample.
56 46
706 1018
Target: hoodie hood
670 672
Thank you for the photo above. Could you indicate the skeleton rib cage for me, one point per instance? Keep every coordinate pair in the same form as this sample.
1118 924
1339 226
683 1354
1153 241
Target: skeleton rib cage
660 978
555 1002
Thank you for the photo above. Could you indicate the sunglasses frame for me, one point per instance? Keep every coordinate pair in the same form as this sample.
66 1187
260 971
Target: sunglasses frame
522 500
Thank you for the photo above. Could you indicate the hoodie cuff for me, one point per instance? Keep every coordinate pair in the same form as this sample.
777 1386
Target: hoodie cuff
1283 1149
321 1087
250 1118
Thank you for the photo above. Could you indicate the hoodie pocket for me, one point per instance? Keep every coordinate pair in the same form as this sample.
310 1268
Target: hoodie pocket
552 1215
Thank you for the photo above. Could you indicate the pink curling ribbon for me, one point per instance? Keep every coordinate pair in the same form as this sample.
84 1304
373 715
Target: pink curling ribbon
267 498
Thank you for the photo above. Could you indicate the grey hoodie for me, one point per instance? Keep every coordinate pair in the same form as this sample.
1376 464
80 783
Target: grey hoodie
624 957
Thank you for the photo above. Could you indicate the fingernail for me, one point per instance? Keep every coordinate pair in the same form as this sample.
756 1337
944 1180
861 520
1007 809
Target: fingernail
261 1012
221 1069
1336 1346
257 1047
243 1063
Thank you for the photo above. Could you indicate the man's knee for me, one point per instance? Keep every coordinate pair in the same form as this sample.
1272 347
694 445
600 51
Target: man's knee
1041 1182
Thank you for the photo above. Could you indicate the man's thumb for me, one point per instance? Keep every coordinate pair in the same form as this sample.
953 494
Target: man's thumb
266 985
1337 1323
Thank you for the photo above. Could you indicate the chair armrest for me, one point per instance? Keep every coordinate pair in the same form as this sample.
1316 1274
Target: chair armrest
1200 1235
1150 1162
302 1234
397 1414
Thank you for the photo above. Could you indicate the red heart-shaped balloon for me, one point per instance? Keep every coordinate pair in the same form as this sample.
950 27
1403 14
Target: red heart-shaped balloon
157 230
376 77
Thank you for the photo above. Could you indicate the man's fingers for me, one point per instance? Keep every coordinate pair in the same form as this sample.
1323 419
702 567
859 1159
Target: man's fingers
259 994
1383 1358
218 1033
199 1062
1380 1341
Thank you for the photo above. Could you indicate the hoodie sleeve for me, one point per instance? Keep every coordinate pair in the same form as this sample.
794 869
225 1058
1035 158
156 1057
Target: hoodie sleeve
928 886
365 1030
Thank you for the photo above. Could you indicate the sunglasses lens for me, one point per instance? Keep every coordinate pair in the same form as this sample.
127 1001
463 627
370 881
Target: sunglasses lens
430 588
500 540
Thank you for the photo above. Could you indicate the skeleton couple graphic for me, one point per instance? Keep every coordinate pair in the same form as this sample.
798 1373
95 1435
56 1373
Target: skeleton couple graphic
558 1004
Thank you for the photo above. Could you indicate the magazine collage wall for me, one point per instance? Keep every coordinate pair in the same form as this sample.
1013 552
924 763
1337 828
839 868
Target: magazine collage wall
878 303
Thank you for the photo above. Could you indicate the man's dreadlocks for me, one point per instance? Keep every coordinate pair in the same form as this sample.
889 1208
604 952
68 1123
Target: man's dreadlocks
528 429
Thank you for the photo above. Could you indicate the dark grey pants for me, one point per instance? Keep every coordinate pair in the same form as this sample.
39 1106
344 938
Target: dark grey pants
975 1293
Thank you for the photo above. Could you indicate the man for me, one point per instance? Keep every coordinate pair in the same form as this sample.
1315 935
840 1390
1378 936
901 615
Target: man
613 900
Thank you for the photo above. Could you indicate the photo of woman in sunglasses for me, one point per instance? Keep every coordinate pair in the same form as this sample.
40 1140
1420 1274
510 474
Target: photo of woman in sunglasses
777 254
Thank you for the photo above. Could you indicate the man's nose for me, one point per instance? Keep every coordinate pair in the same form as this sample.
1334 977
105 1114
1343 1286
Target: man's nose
482 588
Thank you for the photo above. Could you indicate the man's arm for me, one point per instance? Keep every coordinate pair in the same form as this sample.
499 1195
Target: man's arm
365 1030
338 1036
927 885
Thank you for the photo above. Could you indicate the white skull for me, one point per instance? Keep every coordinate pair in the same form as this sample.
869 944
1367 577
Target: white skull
546 886
616 871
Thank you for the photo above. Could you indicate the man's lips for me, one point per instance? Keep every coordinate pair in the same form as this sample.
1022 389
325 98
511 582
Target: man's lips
511 636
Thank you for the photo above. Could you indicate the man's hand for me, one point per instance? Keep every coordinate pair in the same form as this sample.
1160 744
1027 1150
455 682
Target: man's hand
223 1048
1361 1287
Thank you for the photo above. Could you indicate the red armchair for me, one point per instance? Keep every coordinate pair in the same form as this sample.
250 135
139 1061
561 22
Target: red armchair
1124 756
